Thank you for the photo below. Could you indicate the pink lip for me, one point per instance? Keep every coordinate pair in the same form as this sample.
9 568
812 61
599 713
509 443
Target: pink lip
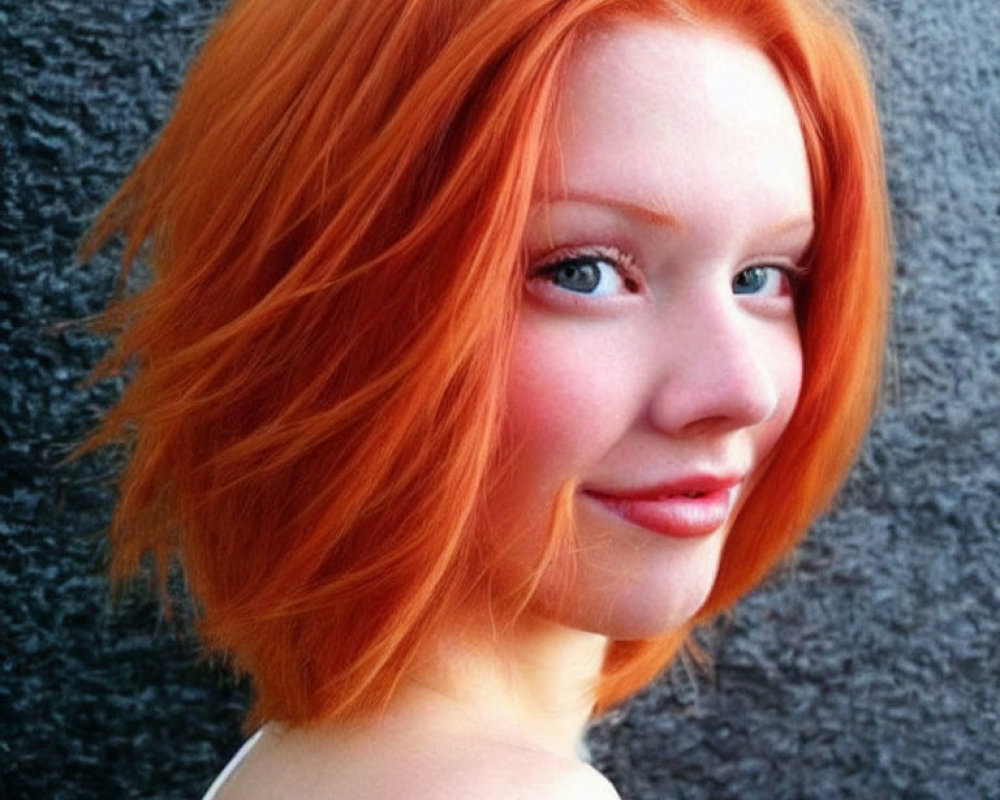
683 509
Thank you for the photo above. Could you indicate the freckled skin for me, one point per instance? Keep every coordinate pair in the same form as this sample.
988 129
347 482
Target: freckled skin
673 372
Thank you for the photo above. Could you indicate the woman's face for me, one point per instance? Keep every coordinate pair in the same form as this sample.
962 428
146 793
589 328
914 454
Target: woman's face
657 358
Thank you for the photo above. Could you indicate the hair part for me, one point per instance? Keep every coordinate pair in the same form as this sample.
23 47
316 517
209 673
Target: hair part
321 358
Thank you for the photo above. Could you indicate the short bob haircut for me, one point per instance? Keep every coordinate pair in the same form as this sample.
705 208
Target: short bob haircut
333 221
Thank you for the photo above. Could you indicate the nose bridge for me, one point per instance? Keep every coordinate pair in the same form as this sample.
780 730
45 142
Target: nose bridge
714 375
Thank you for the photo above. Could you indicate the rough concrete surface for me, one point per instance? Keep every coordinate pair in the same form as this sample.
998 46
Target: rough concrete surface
869 667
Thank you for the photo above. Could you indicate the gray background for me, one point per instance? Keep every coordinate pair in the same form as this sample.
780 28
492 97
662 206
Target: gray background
869 667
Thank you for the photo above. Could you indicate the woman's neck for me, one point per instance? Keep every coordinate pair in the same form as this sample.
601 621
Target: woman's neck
535 688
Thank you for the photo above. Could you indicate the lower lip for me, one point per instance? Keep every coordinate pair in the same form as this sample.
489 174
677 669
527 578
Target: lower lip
678 516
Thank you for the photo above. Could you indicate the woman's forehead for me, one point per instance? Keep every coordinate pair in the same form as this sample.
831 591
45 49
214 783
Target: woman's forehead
679 122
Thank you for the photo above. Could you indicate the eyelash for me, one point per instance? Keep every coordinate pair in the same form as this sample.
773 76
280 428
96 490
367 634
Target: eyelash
625 264
788 272
621 261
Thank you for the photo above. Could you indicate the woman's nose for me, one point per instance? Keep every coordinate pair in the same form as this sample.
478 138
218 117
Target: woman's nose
720 373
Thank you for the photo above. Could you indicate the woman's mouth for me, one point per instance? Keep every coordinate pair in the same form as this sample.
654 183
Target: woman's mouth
683 509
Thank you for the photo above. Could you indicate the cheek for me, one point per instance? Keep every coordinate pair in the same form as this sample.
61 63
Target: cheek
569 396
785 367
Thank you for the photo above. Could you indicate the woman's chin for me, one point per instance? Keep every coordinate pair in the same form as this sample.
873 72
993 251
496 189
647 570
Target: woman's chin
629 615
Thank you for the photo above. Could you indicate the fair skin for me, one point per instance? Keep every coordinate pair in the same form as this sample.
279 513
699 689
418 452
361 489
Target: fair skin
656 363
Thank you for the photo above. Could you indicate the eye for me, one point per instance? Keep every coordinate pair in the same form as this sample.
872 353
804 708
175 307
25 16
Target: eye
763 281
584 274
597 273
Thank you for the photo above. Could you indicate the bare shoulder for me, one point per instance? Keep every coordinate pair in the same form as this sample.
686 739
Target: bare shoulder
503 775
469 769
291 767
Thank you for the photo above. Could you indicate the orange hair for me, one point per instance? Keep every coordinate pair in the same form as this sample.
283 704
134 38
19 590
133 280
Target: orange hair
333 221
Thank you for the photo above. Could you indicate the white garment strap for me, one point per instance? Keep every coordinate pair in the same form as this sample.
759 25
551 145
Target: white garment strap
231 766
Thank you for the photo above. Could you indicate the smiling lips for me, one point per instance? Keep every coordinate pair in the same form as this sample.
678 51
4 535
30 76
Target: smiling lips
683 509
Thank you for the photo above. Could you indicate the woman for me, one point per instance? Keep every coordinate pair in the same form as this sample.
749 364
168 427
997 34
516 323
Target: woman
491 347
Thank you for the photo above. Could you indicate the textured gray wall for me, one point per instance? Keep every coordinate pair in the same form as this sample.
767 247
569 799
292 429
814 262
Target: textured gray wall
870 667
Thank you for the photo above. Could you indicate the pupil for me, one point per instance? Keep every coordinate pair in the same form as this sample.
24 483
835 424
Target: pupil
750 280
580 277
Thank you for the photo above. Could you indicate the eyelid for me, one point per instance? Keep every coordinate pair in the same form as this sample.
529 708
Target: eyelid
795 270
620 259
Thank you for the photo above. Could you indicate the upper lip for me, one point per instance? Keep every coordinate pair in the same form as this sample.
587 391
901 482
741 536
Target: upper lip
700 484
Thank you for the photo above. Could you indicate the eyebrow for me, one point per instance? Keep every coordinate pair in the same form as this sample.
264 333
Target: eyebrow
790 225
645 212
648 212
